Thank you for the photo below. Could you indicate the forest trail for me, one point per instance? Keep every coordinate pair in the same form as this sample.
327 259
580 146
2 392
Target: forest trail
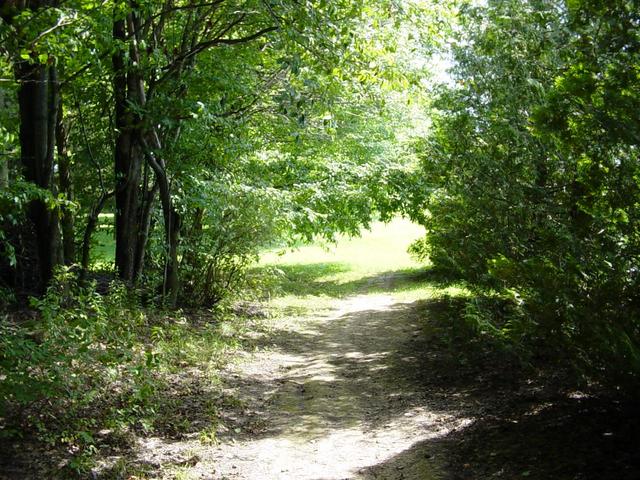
335 399
335 388
335 394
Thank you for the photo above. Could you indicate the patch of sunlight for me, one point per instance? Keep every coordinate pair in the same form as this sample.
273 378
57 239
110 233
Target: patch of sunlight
366 303
323 377
383 248
347 452
296 304
366 357
374 271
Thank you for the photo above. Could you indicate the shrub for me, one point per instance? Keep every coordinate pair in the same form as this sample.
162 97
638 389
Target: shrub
230 225
62 369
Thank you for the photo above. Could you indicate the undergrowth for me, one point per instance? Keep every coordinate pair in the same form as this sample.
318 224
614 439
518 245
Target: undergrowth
86 370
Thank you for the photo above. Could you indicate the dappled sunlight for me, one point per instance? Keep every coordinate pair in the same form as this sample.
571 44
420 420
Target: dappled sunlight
331 400
327 397
301 289
332 272
342 452
320 240
367 302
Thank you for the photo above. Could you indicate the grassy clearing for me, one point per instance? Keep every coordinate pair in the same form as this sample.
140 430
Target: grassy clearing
311 277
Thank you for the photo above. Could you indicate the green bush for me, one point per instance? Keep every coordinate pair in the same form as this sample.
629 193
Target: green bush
535 184
231 224
77 367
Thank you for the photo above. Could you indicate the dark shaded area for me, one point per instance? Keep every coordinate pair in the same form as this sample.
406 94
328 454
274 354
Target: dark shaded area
560 438
565 439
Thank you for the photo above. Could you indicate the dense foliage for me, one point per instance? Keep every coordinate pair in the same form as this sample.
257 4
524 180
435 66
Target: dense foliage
534 164
207 129
185 136
93 368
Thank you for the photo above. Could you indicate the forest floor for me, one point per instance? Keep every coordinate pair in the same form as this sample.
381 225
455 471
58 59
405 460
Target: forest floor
361 367
335 395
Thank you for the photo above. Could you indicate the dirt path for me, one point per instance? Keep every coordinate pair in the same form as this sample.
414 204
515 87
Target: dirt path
332 397
374 387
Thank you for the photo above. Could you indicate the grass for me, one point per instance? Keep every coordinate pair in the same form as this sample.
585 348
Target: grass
103 246
382 248
103 243
312 276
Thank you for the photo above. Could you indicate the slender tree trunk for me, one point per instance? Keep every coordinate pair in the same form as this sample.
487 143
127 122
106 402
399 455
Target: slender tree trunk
172 279
4 148
66 188
53 105
172 220
145 228
131 146
7 272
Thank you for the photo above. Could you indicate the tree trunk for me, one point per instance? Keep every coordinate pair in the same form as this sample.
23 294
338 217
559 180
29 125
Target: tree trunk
66 188
145 227
172 280
37 100
133 212
128 160
172 220
5 148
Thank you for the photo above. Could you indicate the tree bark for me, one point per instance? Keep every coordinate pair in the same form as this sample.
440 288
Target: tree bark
37 101
133 215
145 227
128 159
66 188
172 221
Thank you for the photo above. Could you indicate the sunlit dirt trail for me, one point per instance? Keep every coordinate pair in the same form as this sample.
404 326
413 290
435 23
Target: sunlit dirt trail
335 397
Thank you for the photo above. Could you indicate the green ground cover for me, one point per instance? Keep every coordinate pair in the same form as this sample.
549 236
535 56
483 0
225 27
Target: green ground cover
311 276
